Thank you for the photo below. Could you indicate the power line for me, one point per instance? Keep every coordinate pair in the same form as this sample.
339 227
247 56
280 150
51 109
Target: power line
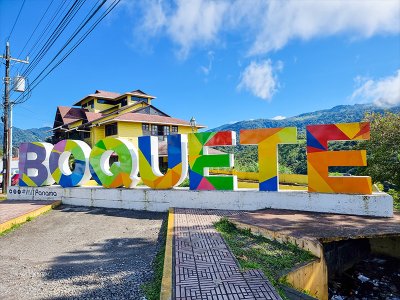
34 30
83 24
81 39
55 35
16 20
76 6
60 9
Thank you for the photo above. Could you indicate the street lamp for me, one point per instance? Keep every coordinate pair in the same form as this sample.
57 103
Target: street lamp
193 123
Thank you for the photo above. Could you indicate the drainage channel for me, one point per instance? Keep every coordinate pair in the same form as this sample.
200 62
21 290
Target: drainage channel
365 268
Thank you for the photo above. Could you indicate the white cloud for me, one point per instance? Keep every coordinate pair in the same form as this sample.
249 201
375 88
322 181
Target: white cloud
207 69
307 19
259 78
186 22
384 92
266 25
278 118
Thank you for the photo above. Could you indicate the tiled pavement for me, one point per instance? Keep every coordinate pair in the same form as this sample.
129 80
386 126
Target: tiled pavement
203 265
11 209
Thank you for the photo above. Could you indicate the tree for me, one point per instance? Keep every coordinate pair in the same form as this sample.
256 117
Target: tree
383 149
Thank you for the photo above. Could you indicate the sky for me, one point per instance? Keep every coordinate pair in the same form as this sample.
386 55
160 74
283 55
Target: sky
219 61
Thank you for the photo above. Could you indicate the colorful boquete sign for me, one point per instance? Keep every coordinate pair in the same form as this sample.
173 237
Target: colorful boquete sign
44 164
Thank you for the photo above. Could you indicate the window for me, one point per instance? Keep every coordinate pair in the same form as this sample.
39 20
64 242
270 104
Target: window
86 135
124 101
111 129
145 126
154 130
166 130
175 129
104 101
146 129
134 98
91 103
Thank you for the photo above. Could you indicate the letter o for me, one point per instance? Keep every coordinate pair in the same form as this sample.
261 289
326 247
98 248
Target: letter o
121 173
59 166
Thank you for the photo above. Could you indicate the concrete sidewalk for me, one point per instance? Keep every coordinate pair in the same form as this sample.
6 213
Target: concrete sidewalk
320 226
203 266
14 212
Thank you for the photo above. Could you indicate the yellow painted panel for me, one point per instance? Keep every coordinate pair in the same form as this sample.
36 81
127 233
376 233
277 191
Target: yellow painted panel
97 134
75 124
130 131
185 129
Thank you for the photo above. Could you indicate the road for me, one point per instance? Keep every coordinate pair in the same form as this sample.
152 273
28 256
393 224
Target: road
80 253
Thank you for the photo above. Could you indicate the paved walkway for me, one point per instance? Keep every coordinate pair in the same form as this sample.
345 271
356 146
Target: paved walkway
203 265
12 209
80 253
320 226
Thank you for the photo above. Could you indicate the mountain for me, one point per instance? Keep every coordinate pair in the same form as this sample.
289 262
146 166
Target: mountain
337 114
27 135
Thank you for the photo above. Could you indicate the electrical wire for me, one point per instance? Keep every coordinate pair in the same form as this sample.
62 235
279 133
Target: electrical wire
81 39
34 30
16 20
59 11
55 35
82 25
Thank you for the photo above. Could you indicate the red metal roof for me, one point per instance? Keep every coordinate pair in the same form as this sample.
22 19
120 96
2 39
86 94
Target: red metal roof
71 114
155 119
100 94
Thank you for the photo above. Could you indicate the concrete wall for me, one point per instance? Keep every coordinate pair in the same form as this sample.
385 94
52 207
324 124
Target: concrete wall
141 198
386 245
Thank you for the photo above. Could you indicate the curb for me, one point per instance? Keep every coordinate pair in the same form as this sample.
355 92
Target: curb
166 283
22 219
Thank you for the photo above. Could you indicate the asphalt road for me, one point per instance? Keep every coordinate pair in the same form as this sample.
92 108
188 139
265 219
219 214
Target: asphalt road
80 253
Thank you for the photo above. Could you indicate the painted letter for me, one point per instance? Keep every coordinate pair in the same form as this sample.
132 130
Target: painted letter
34 164
199 161
121 173
177 161
59 163
319 158
267 140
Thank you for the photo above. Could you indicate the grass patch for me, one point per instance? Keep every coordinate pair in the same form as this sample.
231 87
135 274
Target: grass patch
152 288
257 252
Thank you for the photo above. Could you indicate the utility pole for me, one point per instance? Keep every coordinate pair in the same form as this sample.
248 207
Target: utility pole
7 156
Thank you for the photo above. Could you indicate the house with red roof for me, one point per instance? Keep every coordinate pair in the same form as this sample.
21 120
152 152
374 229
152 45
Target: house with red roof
108 114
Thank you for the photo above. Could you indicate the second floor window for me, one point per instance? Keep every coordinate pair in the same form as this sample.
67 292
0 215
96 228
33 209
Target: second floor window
166 130
90 103
175 129
154 130
146 129
124 102
105 101
111 129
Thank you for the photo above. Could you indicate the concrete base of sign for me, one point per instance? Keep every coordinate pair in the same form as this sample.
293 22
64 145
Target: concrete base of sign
142 198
